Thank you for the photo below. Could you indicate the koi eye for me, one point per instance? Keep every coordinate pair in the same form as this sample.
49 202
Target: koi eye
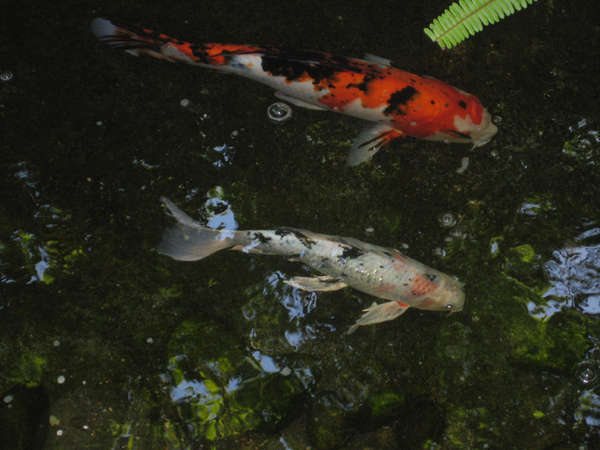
279 112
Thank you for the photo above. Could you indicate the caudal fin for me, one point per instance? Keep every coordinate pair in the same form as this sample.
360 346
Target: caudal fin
137 40
190 241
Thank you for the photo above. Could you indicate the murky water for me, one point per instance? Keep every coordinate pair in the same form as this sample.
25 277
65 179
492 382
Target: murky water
104 343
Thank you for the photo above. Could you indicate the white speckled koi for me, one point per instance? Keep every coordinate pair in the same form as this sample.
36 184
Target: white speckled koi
398 103
345 262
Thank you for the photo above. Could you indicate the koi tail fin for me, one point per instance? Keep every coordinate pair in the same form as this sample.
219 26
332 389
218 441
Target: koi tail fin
137 40
190 241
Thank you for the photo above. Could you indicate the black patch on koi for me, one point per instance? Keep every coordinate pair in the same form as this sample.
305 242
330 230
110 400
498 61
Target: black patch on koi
351 252
399 99
261 238
462 104
294 64
306 241
431 276
386 253
364 84
432 102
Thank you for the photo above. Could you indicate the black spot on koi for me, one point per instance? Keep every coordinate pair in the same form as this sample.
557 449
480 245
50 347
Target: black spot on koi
364 84
431 276
462 104
399 99
351 252
261 238
306 241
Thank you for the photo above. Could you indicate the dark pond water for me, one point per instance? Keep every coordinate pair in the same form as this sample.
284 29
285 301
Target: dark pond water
104 343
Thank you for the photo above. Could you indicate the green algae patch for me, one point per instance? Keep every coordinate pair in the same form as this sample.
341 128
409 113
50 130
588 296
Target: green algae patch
557 343
524 253
28 370
384 404
522 262
220 391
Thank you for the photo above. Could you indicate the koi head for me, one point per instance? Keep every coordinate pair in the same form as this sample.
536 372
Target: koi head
466 122
449 296
478 134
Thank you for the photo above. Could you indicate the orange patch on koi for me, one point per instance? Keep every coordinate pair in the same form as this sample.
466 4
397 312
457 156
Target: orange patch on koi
421 286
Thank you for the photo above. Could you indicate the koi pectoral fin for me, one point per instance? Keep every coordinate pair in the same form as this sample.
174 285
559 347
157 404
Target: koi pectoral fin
312 284
370 141
378 313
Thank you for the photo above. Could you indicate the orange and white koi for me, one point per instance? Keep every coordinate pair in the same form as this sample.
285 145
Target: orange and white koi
398 102
345 262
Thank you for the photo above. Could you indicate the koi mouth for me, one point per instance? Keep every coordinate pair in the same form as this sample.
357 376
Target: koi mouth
486 133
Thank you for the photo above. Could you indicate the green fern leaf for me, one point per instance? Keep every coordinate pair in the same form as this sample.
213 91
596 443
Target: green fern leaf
467 17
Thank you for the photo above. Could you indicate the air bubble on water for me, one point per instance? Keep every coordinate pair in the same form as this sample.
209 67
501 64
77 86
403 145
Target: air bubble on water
279 112
588 373
185 102
447 220
6 75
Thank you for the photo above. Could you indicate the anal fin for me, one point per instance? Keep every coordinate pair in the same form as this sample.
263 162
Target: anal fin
314 284
370 141
378 313
298 102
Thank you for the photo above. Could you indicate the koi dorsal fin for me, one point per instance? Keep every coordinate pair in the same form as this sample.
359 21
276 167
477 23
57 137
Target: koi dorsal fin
380 60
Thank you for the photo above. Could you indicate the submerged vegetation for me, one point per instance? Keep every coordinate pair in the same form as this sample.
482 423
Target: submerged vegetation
106 344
